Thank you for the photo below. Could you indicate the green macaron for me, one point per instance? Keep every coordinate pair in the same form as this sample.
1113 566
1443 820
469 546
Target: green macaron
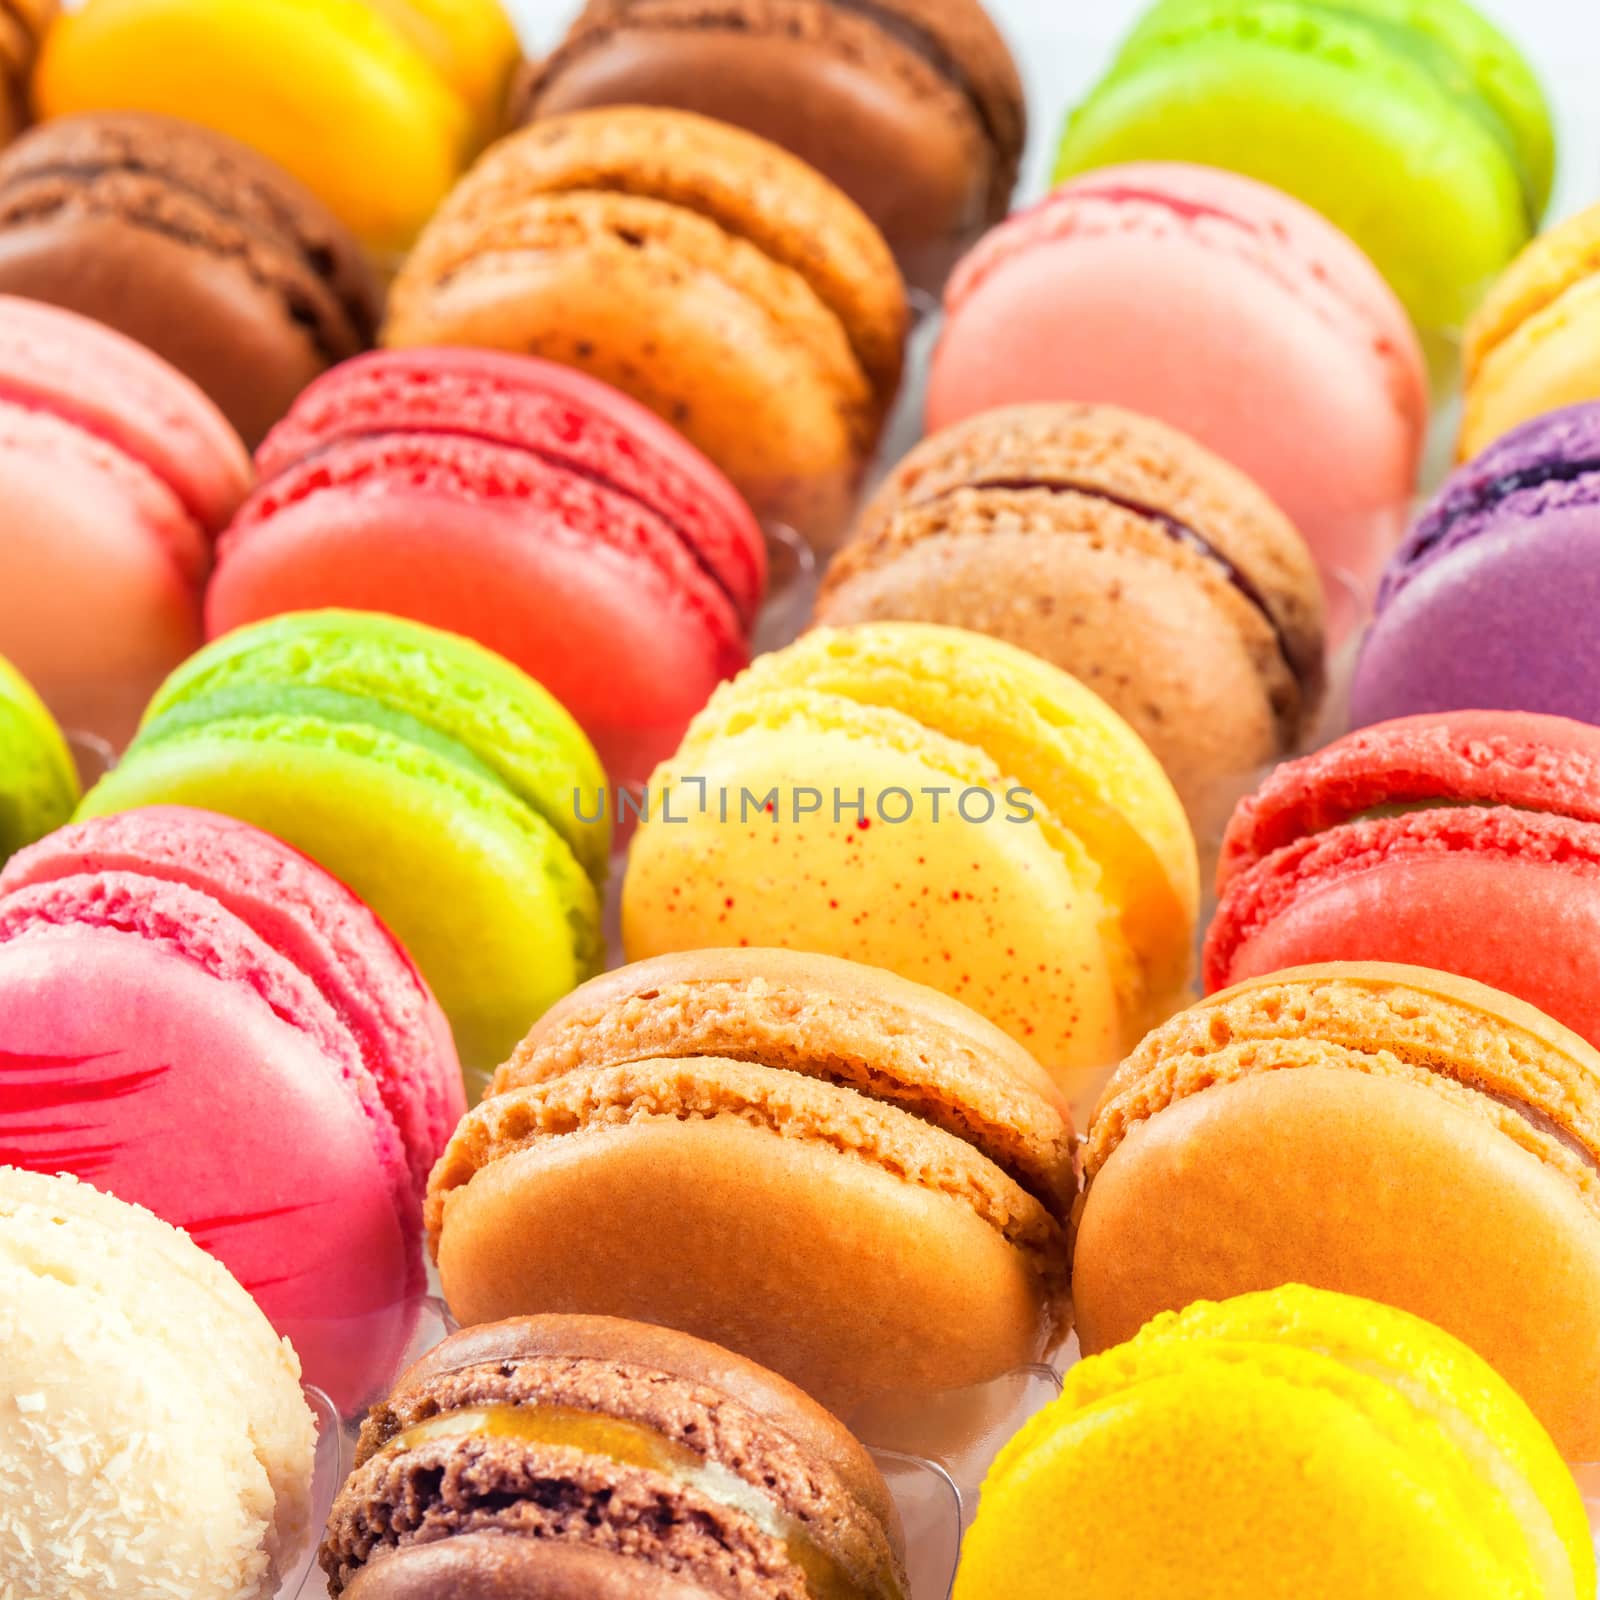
433 777
38 782
1415 125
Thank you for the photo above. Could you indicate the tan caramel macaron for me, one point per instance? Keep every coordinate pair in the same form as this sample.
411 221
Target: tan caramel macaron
848 1177
1384 1131
711 275
1120 550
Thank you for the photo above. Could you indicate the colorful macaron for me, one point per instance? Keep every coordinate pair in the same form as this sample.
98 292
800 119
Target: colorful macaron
436 779
941 804
194 246
1220 306
1390 844
375 105
864 1185
523 505
116 473
711 275
1534 344
1290 1442
1490 601
1418 128
913 108
23 25
1121 551
153 1436
1387 1131
38 781
203 1021
586 1457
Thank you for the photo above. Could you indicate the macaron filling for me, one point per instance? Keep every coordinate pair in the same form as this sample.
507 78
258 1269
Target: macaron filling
633 1444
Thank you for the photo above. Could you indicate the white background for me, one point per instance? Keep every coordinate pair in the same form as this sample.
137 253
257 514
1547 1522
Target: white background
1064 44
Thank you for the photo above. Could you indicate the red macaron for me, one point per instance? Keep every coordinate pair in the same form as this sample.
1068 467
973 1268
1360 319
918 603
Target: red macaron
523 505
1466 841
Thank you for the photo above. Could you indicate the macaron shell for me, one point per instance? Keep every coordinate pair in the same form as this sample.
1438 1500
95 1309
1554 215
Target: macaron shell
1215 1448
471 44
1041 313
1457 635
1361 1184
365 99
39 786
815 1236
191 1097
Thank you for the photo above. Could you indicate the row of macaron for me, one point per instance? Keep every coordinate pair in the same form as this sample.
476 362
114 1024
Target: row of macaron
968 858
168 1449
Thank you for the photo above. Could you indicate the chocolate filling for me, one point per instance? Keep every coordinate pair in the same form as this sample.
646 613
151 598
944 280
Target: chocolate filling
1179 532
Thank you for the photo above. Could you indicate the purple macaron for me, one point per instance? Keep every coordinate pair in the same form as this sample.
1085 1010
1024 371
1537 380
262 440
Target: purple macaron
1491 602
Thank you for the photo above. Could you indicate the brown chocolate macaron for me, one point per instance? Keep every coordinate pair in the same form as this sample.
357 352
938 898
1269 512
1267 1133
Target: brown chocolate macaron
23 25
913 107
704 271
850 1178
1120 550
191 244
582 1458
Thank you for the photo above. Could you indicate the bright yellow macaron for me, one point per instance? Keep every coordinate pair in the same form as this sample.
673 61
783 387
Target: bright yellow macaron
376 105
1287 1443
1534 345
941 804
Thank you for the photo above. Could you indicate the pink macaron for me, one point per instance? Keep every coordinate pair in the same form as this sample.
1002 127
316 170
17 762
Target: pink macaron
523 505
116 473
198 1019
1216 304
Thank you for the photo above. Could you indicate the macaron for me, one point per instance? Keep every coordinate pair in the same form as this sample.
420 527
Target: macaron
520 504
1289 1442
192 245
1416 126
1121 551
940 804
714 277
200 1019
1389 844
23 25
116 473
1534 344
914 108
583 1456
1490 600
153 1437
374 105
1386 1131
1220 306
434 778
38 781
863 1185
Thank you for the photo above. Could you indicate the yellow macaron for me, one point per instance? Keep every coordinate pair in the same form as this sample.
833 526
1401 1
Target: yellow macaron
1293 1442
1534 345
941 804
376 105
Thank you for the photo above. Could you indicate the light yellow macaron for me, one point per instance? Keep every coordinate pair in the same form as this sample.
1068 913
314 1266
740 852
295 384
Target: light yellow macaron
1294 1442
376 105
941 804
1534 345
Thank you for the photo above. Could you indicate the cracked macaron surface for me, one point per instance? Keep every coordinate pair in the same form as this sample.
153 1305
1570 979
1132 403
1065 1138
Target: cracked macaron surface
1178 1464
694 266
1058 903
1466 841
1381 1130
626 1449
433 777
804 1120
520 504
1490 599
1085 534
